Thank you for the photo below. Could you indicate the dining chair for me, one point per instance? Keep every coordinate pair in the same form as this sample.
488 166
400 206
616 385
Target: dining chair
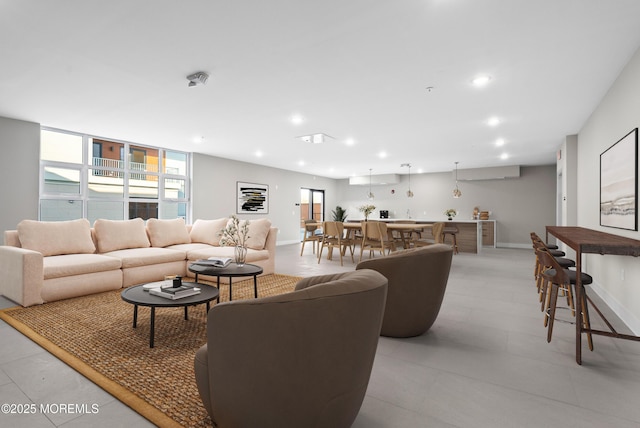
453 232
404 237
436 233
310 235
375 237
333 237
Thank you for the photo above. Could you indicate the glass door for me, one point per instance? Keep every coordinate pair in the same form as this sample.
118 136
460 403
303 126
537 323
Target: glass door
311 206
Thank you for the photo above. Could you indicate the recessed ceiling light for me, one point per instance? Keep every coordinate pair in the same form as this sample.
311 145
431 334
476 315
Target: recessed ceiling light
350 141
481 81
504 156
301 163
198 140
500 142
297 119
258 153
493 121
382 155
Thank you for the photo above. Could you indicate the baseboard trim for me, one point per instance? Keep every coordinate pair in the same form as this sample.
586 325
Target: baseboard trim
512 245
293 241
624 314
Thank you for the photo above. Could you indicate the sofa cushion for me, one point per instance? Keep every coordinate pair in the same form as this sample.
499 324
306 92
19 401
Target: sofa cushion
113 235
163 233
77 264
208 231
134 257
52 238
258 231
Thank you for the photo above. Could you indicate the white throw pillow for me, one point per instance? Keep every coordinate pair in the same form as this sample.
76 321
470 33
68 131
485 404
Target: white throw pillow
208 231
52 238
258 231
113 235
163 233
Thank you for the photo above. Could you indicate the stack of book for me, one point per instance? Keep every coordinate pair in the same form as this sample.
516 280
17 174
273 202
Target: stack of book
175 293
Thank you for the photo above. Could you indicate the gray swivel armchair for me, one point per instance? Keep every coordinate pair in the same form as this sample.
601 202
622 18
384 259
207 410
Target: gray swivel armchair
301 359
417 282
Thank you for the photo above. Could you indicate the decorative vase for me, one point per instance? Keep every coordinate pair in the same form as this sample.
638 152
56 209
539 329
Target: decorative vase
240 254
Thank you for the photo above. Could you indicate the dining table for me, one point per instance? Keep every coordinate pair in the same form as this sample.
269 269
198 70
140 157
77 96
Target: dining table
403 228
588 241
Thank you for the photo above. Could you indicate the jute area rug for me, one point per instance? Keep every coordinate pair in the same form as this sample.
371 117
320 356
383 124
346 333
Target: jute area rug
94 335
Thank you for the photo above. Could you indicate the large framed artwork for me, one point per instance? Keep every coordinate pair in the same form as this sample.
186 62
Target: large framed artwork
619 183
252 198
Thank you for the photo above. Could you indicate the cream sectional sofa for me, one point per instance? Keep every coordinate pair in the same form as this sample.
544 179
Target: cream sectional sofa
47 261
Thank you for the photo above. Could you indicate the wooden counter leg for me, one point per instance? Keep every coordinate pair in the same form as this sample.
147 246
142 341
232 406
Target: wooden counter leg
578 305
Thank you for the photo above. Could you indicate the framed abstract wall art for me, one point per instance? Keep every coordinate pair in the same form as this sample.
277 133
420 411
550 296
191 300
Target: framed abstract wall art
619 183
252 198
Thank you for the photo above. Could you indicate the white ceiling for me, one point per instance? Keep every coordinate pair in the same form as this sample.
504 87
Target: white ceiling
355 69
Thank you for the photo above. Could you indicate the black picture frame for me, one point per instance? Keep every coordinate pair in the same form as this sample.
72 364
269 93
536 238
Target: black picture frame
619 184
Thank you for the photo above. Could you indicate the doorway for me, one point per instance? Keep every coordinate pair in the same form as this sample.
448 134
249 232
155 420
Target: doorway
311 206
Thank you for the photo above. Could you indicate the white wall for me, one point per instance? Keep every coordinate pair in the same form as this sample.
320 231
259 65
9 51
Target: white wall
617 278
214 192
519 205
19 169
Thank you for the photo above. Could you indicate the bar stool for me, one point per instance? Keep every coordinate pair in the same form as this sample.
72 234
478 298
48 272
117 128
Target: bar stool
558 279
453 232
564 262
537 238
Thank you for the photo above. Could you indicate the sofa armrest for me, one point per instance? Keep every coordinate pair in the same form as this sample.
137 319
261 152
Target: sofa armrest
270 243
270 246
22 275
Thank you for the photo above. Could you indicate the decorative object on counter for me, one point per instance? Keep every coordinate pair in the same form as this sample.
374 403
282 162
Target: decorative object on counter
456 192
484 215
339 214
476 213
450 213
366 210
370 195
236 234
409 192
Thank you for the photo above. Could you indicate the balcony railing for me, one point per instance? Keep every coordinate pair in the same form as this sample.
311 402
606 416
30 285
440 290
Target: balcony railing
119 164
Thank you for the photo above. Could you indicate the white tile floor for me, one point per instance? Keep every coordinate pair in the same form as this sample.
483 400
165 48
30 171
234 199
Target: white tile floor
484 363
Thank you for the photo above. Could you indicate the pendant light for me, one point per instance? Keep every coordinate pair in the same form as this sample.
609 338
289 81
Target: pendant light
456 192
370 195
409 192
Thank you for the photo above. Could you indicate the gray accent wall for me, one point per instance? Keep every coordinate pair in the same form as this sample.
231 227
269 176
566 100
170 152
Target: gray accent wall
19 169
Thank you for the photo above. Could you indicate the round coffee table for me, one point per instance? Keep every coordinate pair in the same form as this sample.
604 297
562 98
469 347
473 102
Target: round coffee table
231 271
138 296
